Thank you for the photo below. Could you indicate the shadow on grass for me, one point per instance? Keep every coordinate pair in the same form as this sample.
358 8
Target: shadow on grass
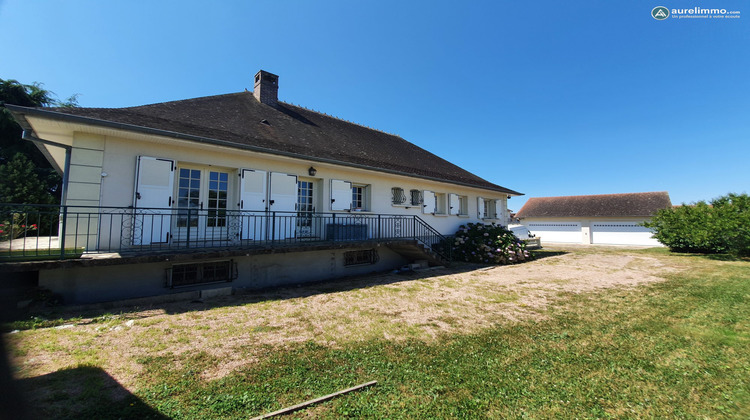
712 257
84 392
546 253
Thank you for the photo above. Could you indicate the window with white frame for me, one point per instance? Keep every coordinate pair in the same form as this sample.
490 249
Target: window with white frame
348 196
486 208
463 205
360 197
490 209
440 203
458 205
428 202
398 197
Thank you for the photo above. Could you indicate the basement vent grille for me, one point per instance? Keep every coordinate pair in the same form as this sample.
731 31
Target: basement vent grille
361 257
183 275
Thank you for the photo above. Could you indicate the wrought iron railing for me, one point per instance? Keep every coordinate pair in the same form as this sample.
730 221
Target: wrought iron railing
45 232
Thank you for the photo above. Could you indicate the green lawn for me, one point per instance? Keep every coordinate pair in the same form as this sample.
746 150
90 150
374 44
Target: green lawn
679 348
42 254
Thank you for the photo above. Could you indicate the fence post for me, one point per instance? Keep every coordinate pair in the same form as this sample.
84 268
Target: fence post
273 227
380 236
189 221
63 229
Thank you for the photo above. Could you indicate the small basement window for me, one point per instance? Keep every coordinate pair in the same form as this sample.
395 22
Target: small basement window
183 275
361 257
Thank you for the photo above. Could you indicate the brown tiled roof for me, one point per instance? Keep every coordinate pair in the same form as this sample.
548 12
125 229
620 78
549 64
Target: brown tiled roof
605 205
239 119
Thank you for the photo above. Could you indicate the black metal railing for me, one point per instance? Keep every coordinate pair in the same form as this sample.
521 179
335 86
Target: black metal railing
45 232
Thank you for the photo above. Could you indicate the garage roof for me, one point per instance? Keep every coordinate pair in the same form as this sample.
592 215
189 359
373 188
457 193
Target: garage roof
605 205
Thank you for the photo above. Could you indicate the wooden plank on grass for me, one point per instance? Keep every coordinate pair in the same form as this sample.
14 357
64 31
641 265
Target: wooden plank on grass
314 401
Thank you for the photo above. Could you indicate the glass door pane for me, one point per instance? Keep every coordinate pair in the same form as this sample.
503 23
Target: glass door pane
188 197
305 202
218 187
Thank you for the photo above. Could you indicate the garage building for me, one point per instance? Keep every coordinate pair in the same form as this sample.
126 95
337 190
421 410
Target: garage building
606 219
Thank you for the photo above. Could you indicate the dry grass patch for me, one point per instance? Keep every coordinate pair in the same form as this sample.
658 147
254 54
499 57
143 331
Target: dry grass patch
239 330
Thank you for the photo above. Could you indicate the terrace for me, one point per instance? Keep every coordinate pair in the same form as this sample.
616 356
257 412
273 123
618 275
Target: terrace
108 235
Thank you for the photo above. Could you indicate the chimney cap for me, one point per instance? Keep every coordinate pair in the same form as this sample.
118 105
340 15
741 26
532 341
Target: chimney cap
265 76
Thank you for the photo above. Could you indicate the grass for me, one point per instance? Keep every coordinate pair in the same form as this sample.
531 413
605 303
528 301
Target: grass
33 254
679 348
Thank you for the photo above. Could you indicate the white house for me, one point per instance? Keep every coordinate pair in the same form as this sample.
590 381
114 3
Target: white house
611 219
242 188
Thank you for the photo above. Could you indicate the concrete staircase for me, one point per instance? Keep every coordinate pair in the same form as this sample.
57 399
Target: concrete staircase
415 250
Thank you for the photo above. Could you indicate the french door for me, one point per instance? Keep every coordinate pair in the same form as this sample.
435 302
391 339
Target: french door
202 203
305 208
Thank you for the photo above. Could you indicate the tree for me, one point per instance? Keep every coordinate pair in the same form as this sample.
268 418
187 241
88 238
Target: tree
36 167
21 183
721 226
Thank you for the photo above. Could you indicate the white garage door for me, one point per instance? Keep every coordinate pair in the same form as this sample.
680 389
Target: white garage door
621 233
568 232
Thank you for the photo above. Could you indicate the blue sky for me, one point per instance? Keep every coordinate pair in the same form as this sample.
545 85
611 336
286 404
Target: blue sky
547 98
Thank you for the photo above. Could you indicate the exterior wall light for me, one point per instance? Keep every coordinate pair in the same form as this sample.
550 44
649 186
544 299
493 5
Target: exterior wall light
312 171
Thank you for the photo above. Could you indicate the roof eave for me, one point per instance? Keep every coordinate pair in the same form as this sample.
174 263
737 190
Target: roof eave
20 112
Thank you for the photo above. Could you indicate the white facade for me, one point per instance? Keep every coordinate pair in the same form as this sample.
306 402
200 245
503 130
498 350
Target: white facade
105 163
154 193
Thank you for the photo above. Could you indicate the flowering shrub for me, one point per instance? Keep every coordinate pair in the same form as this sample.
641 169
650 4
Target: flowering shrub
15 229
493 244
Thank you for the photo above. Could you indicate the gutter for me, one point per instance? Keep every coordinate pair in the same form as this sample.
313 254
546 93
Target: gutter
20 112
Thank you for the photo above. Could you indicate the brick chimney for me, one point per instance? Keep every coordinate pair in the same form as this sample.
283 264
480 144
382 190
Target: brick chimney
266 89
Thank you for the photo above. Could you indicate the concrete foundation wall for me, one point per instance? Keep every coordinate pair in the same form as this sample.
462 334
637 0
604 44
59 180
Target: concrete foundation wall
82 285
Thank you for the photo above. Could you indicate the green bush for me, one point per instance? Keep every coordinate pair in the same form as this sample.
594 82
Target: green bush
492 244
719 227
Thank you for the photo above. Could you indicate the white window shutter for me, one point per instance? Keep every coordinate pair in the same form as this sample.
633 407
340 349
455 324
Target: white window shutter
154 185
253 196
341 195
428 202
502 212
283 195
283 199
252 190
454 206
480 208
